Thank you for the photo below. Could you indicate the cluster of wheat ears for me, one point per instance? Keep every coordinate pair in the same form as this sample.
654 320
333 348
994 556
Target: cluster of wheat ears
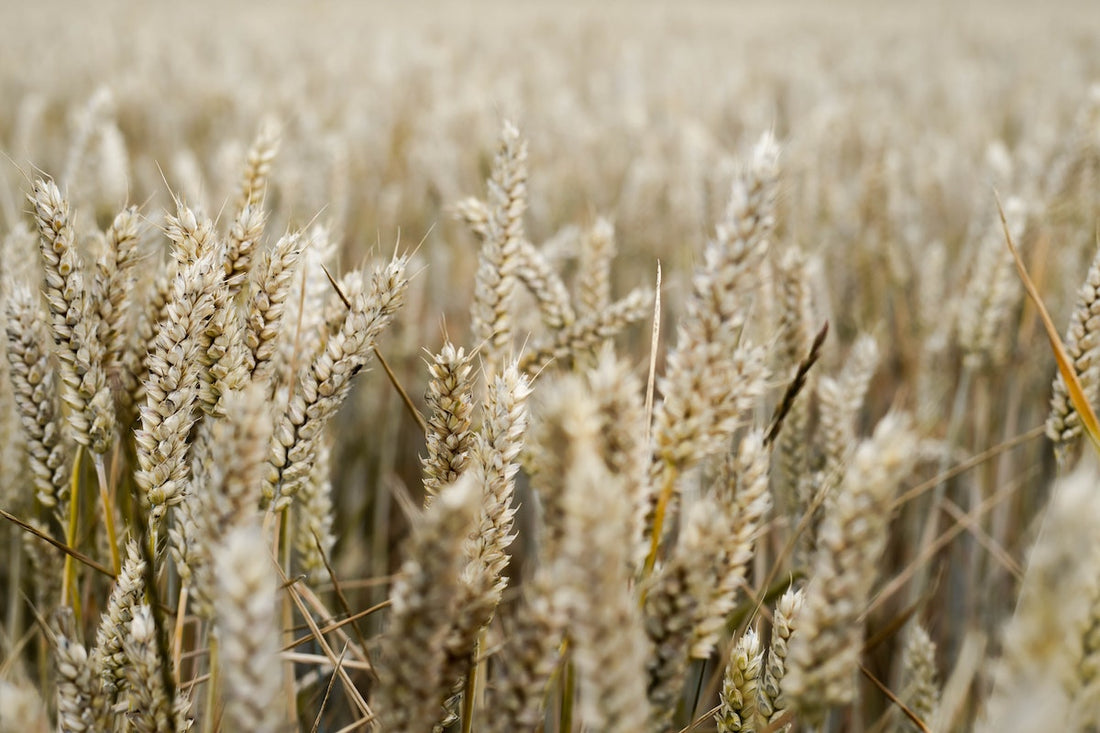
777 442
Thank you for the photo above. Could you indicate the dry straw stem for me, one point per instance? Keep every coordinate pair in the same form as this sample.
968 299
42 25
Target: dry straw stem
75 321
824 655
321 386
737 711
412 688
248 630
499 257
797 385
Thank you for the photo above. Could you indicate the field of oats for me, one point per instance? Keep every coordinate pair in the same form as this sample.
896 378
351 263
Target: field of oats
549 366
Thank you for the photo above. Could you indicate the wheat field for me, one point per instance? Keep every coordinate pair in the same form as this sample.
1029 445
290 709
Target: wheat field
549 366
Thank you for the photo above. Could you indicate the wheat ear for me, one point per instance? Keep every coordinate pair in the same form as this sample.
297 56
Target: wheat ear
75 322
824 655
737 711
412 687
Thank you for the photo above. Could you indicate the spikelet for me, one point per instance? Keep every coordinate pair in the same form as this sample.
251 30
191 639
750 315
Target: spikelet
313 538
21 707
244 238
672 605
89 119
225 490
495 452
116 281
795 339
523 669
621 409
271 287
841 400
536 274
